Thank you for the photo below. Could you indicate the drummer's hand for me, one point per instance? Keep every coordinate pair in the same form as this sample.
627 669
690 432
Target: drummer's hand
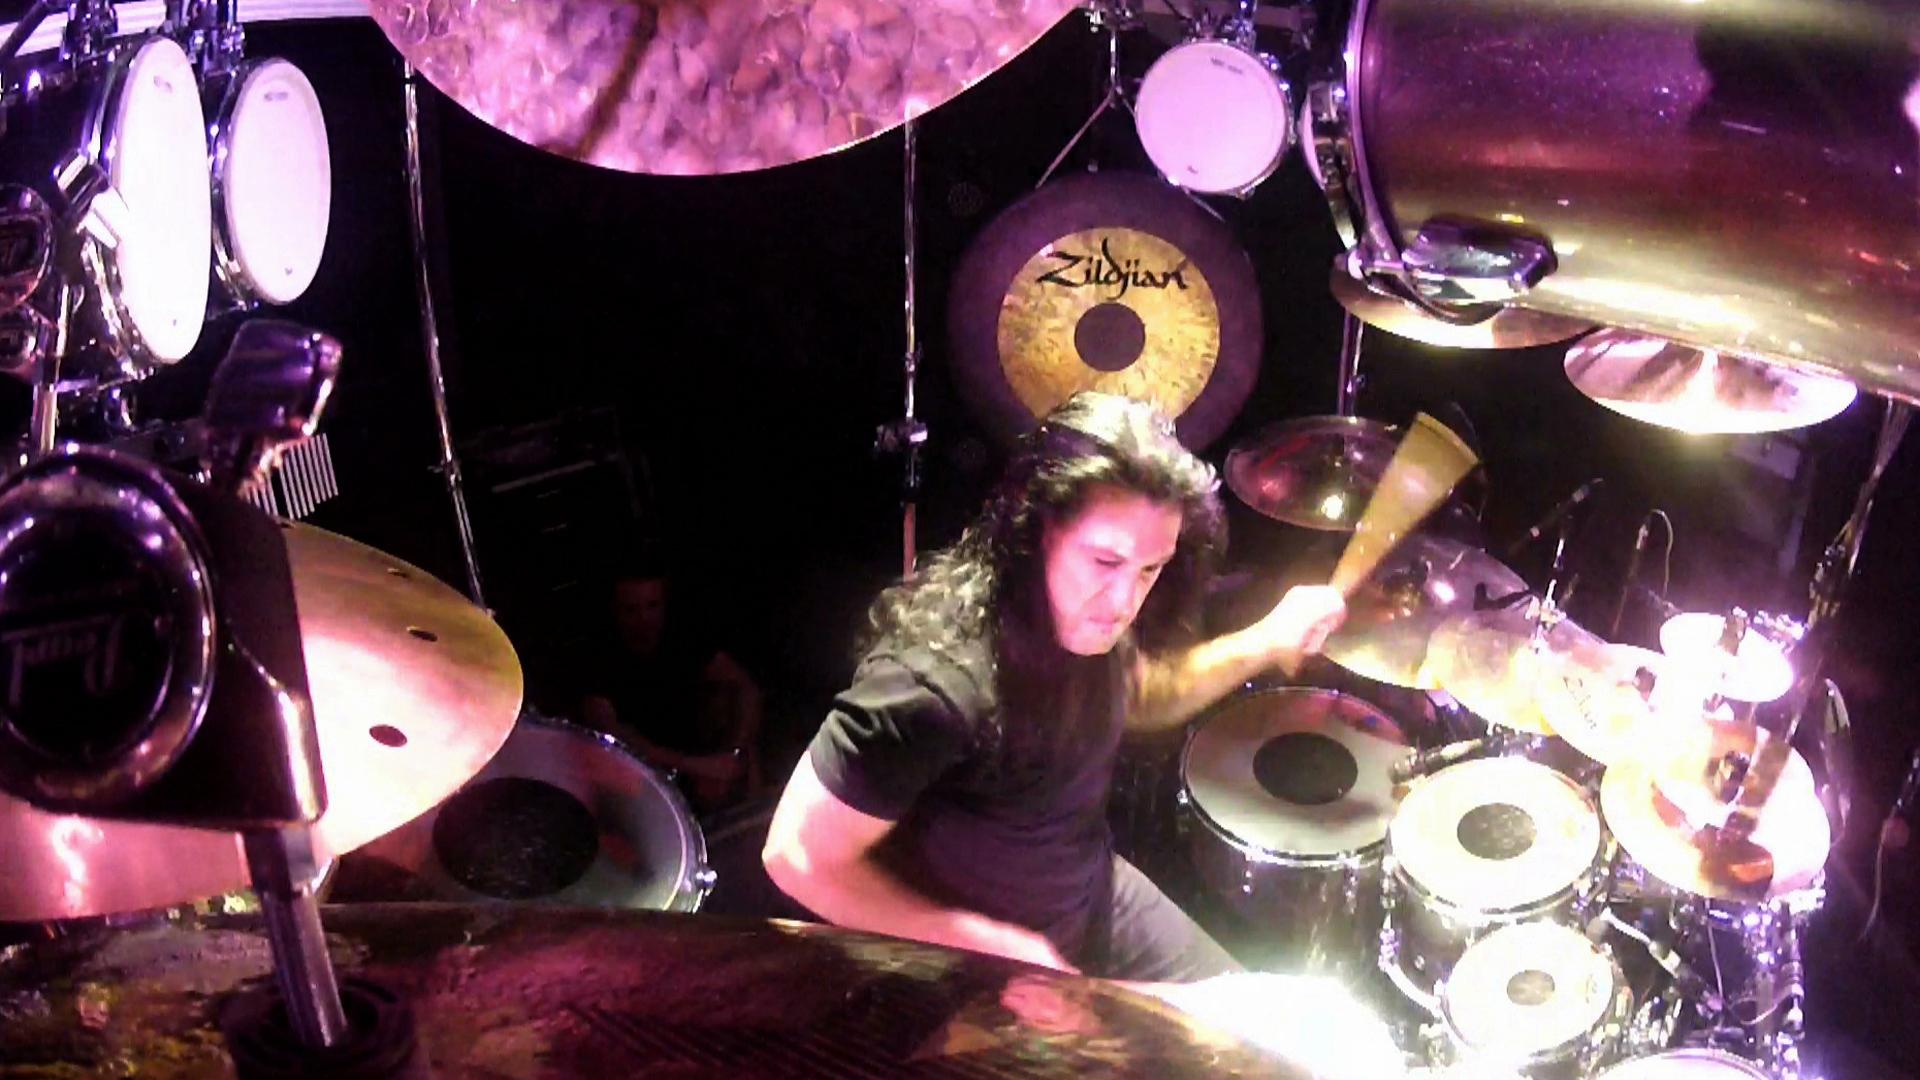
1299 625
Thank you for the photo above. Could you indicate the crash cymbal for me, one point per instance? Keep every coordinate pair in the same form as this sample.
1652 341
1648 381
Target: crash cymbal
552 993
1316 472
1106 281
1757 671
1508 328
1661 812
706 86
413 689
1489 662
1394 613
1699 391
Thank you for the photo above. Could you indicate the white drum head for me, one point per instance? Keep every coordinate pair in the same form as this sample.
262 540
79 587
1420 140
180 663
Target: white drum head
1495 835
275 182
157 163
1528 989
1288 772
1213 117
1686 1065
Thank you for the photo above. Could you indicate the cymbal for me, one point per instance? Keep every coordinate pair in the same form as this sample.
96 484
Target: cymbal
1487 661
1106 281
1757 671
1604 702
414 689
1660 810
1700 391
1317 472
1508 328
1392 615
498 990
706 86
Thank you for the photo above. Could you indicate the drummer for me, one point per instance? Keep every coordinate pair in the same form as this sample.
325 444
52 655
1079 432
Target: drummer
957 791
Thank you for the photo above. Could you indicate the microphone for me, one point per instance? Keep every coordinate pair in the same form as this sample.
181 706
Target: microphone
1554 516
1423 762
1633 576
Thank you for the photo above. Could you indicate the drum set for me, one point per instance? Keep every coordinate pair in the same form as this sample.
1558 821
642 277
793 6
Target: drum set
1525 872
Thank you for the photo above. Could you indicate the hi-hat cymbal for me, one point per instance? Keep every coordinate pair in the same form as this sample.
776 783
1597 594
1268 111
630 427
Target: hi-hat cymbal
1394 613
1757 671
1662 812
1508 328
1489 662
1700 391
1317 472
413 689
498 990
706 86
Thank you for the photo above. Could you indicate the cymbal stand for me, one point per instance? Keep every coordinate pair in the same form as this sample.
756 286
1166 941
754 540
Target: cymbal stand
908 434
1112 16
1348 389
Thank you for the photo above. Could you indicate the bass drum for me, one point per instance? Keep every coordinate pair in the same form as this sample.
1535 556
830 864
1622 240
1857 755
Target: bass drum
127 127
1744 177
562 815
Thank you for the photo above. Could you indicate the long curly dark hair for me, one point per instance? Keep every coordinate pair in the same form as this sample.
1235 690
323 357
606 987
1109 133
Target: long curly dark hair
989 587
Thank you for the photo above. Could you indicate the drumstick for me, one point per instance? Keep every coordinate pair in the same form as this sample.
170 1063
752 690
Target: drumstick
1431 459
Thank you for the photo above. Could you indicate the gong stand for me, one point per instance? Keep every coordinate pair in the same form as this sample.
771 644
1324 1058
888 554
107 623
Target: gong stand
905 436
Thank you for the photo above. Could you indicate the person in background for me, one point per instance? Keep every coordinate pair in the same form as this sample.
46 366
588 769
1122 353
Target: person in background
674 696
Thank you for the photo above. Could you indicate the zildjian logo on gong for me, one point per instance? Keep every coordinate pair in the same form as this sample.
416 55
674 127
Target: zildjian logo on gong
1106 271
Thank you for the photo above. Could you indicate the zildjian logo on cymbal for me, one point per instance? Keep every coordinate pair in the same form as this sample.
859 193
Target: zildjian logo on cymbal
1107 271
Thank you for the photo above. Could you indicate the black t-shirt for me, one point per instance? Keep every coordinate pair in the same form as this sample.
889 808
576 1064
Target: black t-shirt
664 696
992 813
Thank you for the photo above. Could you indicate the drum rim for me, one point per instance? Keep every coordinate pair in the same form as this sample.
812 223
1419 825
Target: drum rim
98 141
1359 858
227 263
1743 1066
1282 92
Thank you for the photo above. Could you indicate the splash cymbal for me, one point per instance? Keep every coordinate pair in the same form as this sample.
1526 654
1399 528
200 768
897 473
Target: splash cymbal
1757 671
1699 391
414 689
1112 282
690 87
1392 616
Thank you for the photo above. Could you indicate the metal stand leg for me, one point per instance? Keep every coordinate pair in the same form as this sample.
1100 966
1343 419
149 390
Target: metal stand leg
284 870
1351 329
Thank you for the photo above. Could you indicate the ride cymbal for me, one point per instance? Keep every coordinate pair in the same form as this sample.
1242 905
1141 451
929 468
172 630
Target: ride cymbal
414 689
706 86
1112 282
1699 391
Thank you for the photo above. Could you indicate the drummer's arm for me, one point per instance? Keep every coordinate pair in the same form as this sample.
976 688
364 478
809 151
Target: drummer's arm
1170 688
820 851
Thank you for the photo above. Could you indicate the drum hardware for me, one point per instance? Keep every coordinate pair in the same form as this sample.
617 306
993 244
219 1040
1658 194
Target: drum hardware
908 434
1112 16
814 79
1506 327
1699 390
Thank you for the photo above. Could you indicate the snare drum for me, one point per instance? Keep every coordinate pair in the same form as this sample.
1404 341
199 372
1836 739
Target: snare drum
1478 846
1694 1064
561 815
1214 117
132 121
1287 798
272 181
1537 998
